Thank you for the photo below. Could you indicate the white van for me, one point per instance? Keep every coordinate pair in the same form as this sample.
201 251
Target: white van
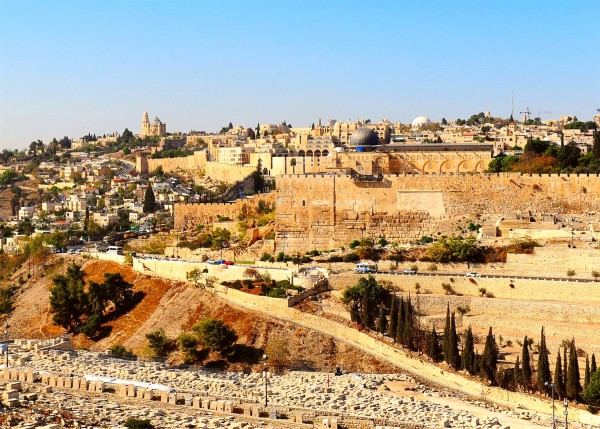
115 250
363 267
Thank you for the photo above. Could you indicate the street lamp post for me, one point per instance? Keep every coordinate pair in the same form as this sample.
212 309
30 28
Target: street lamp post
265 360
551 385
566 412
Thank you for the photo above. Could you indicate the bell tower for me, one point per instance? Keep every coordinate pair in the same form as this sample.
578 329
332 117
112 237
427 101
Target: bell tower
145 125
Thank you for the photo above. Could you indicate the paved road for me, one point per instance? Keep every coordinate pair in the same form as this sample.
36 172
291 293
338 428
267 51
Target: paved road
493 276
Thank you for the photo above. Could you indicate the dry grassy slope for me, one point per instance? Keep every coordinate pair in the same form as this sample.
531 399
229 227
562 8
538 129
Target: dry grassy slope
175 307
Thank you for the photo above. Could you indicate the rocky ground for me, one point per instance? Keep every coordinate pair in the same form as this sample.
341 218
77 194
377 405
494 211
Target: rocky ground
396 397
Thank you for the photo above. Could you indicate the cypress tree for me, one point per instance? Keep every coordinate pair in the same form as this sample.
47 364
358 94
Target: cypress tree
149 201
489 360
565 366
407 331
455 357
381 322
400 325
367 311
586 377
393 318
593 365
526 370
573 377
517 374
543 368
559 385
468 355
446 339
433 346
596 145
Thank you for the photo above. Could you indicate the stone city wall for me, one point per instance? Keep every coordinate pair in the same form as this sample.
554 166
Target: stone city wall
198 162
327 211
188 216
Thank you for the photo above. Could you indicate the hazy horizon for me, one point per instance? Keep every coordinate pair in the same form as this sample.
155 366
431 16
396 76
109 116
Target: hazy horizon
69 68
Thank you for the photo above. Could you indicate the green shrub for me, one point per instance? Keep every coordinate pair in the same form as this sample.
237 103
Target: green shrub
354 244
267 257
120 351
223 219
214 334
133 423
335 258
277 293
284 284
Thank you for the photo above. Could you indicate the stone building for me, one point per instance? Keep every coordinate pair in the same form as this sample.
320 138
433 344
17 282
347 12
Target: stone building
156 128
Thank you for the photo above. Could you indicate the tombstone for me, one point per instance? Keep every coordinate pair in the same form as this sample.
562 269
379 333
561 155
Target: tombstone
196 402
60 382
273 413
21 376
10 394
255 411
14 374
164 397
172 398
99 386
52 380
131 391
31 376
149 395
298 417
121 390
14 386
12 403
6 373
187 399
68 382
206 403
140 392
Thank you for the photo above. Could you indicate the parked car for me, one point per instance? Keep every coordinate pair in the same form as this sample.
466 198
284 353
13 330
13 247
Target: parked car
409 271
472 274
211 262
227 263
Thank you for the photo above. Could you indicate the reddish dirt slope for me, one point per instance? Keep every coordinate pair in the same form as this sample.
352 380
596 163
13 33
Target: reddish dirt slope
175 307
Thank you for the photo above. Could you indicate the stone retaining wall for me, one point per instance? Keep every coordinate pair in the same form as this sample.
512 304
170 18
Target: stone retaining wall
521 289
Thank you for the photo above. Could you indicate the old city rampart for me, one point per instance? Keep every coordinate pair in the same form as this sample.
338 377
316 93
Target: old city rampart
326 211
199 163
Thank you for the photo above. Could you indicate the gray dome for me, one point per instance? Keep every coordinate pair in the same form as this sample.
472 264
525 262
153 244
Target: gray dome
364 136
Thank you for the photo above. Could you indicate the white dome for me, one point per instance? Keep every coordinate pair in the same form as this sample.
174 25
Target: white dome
420 121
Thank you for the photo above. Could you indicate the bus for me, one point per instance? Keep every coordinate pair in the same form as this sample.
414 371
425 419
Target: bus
363 268
115 250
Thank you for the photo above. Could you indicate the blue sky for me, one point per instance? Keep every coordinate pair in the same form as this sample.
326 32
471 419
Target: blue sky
72 67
